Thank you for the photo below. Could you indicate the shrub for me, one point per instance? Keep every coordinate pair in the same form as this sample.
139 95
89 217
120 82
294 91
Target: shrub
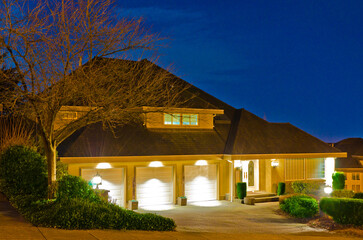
300 206
306 187
70 187
241 190
338 180
83 214
343 193
343 210
358 195
24 171
281 188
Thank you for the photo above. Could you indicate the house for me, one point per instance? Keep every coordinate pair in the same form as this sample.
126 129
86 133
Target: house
199 150
352 165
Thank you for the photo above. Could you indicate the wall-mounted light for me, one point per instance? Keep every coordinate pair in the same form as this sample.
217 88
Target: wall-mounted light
97 180
274 163
156 164
201 163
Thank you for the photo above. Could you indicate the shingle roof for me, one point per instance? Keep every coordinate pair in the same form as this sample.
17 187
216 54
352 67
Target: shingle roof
242 133
354 147
136 140
254 135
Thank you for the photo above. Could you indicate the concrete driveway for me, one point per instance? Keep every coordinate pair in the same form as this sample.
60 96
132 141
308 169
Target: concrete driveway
227 217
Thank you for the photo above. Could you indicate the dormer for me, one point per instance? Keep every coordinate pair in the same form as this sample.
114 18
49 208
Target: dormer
180 118
68 114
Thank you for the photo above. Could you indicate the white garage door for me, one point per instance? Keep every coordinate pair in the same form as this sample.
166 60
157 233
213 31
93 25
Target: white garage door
112 180
154 186
200 182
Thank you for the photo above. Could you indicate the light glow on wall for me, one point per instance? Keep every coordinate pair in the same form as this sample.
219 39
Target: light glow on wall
201 163
237 163
103 165
329 170
156 164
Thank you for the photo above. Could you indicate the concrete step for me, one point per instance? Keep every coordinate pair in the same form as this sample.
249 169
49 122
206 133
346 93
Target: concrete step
260 195
267 199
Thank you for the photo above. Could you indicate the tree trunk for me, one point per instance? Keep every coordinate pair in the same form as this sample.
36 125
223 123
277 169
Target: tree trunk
51 160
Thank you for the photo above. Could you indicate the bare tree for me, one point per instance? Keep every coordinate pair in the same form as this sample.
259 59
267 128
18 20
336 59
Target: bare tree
59 50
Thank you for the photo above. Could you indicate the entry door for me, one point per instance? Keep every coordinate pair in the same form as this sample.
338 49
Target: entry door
154 186
112 180
200 182
250 174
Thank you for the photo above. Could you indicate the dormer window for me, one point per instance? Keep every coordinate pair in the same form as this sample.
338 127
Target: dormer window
69 115
180 119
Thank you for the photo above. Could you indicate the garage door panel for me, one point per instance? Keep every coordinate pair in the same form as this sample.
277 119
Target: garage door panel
154 185
112 180
201 182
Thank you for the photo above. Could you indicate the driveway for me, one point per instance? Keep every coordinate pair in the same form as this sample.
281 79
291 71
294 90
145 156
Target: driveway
227 217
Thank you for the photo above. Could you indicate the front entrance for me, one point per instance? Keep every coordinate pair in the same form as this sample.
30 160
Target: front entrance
250 174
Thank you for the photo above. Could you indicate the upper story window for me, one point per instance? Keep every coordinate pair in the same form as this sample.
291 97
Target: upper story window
69 115
180 119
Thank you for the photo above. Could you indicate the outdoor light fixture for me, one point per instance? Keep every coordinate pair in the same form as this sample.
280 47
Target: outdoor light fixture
97 180
201 163
328 189
274 163
156 164
103 165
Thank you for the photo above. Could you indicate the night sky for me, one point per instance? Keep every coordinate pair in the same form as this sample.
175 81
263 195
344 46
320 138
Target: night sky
285 61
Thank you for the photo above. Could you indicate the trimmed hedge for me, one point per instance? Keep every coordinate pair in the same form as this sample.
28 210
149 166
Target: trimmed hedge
241 190
358 195
70 187
300 206
84 214
343 210
306 187
338 180
342 193
281 188
24 171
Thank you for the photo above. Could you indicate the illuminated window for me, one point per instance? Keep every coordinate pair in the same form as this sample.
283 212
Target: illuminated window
69 115
353 188
172 119
190 119
315 168
357 188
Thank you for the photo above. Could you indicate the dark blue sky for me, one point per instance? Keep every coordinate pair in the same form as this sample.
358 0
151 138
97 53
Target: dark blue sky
290 61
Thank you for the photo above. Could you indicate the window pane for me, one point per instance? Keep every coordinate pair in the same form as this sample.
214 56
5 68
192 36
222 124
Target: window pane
358 176
176 119
194 119
315 168
353 176
167 119
186 119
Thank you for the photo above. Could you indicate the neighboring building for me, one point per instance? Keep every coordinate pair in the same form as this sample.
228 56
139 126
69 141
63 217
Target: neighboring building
352 165
199 151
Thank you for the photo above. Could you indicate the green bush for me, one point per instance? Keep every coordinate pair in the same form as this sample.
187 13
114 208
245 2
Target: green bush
306 187
343 210
300 206
23 171
75 187
343 193
338 180
281 188
241 190
83 214
358 195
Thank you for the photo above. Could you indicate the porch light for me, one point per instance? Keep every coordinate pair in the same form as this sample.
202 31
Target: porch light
201 163
156 164
274 163
328 189
97 179
103 165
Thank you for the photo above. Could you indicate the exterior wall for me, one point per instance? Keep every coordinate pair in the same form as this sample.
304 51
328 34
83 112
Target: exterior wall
178 173
156 120
73 111
351 184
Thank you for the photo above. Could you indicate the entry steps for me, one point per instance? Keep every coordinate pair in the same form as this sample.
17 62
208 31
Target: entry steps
258 197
